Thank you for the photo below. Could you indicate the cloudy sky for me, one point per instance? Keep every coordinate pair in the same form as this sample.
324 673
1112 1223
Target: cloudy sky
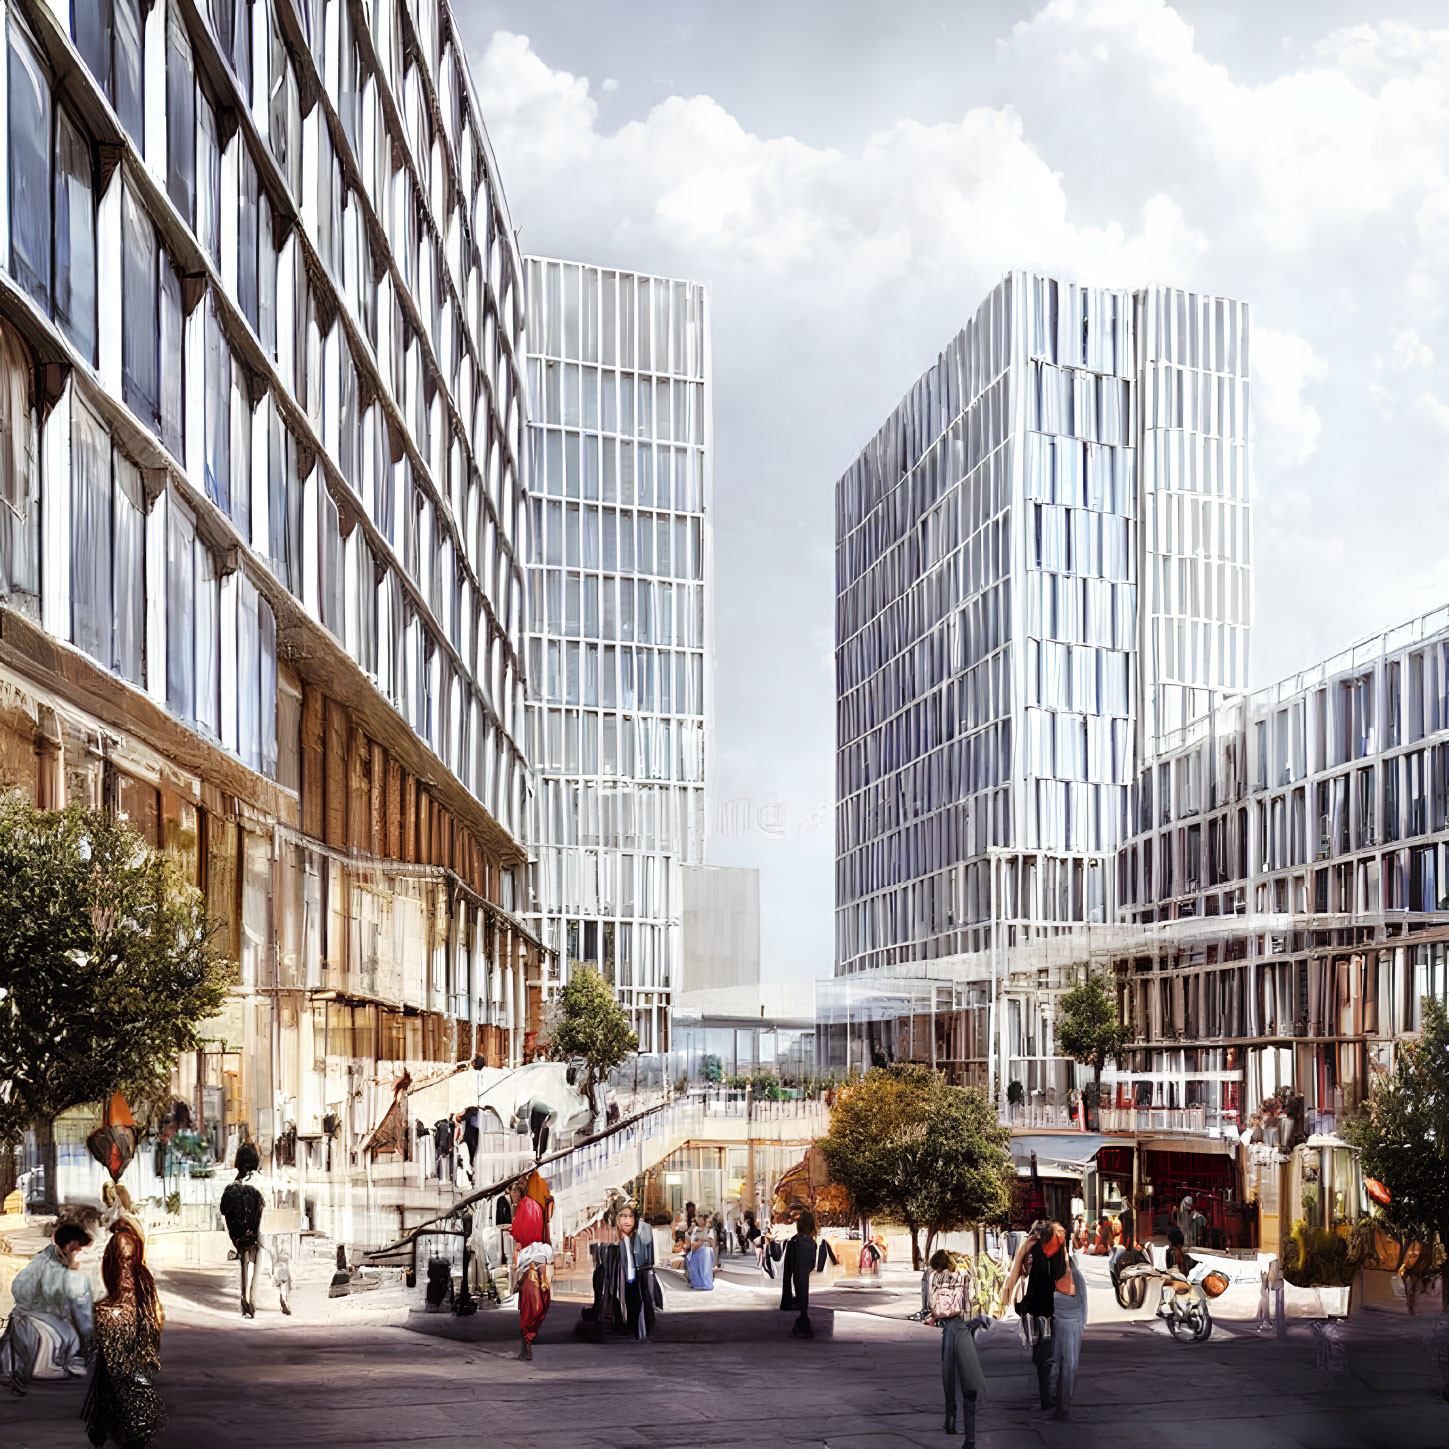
850 178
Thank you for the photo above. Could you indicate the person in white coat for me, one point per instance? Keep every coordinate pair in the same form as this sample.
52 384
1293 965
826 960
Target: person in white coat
49 1332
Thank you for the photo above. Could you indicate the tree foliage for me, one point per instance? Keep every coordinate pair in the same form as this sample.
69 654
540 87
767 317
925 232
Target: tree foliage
590 1023
1403 1132
1088 1027
106 967
906 1144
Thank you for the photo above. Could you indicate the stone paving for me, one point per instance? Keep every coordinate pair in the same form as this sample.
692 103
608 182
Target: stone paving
351 1372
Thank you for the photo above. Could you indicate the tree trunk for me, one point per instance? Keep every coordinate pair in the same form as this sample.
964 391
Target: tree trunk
915 1246
1094 1107
930 1244
45 1137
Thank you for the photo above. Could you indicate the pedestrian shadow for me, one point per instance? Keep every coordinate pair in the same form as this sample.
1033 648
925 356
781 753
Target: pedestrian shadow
201 1289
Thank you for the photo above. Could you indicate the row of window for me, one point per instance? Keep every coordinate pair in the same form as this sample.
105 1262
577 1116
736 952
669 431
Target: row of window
574 536
630 955
1399 702
643 747
1196 331
148 599
1196 652
930 719
1198 588
619 319
922 846
650 681
936 659
974 558
1212 406
613 814
863 534
1079 404
594 468
1085 748
1177 460
643 611
1079 326
604 401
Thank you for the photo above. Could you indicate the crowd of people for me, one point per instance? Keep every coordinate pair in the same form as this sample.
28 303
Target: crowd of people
56 1332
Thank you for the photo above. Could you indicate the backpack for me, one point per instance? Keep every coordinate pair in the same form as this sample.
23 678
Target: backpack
947 1295
241 1210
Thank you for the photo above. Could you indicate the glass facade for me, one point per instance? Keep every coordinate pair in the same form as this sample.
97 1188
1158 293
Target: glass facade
989 635
263 519
618 620
1193 404
333 404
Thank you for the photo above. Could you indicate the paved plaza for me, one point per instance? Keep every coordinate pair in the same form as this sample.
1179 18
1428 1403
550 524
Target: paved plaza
728 1376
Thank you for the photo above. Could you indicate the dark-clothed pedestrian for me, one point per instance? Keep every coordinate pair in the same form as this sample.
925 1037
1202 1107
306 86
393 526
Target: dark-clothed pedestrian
241 1210
803 1256
637 1288
1037 1307
444 1130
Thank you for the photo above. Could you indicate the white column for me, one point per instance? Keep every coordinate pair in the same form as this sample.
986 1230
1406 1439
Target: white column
55 517
156 598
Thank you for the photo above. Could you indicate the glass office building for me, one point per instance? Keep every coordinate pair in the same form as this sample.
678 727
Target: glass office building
261 543
618 620
1040 556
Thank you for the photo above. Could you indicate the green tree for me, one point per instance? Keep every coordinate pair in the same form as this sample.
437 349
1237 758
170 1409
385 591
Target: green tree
903 1143
965 1169
590 1023
106 967
1089 1029
1403 1132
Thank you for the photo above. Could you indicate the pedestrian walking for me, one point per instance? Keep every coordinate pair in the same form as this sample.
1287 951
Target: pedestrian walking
471 1133
1069 1320
803 1256
1037 1307
443 1134
750 1234
282 1273
241 1209
122 1402
948 1300
638 1289
532 1264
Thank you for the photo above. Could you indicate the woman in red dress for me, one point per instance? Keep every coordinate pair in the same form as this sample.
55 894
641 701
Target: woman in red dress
532 1264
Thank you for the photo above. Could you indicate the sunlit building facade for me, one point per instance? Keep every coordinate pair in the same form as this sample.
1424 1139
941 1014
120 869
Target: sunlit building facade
1040 555
619 621
262 452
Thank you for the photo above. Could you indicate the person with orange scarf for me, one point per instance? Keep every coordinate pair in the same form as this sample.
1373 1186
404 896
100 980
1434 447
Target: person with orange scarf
1037 1308
533 1262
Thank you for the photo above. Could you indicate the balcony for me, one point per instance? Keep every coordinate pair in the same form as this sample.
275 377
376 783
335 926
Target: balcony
1167 1121
1038 1116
